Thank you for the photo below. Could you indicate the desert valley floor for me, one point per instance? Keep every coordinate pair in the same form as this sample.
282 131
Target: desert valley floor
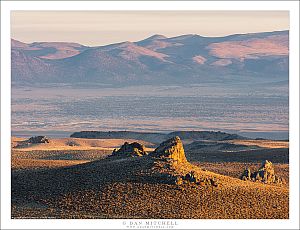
156 177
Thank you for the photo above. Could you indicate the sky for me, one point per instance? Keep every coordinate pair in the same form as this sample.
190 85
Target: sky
93 28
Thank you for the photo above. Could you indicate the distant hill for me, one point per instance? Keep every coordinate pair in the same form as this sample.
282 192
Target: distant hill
48 50
205 135
158 137
255 57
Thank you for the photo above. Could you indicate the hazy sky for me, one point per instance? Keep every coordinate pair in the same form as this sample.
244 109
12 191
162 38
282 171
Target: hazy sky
105 27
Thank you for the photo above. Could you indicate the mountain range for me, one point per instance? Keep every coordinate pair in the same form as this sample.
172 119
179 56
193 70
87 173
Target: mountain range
191 58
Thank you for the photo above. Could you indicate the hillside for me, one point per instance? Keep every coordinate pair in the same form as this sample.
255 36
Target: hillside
257 57
161 184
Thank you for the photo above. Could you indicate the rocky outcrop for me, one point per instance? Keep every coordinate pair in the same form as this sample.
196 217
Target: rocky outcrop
38 140
265 174
193 178
130 150
168 164
171 149
246 174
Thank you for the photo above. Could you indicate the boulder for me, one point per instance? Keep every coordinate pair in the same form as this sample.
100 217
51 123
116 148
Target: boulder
171 149
191 177
38 140
130 150
246 174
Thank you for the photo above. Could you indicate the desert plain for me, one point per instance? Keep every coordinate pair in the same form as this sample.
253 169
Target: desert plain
187 176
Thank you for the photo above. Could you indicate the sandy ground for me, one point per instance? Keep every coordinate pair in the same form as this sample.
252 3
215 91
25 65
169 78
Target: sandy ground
29 164
136 188
75 144
262 143
56 180
60 152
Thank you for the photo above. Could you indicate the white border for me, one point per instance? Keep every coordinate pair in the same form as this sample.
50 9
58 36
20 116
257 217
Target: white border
7 6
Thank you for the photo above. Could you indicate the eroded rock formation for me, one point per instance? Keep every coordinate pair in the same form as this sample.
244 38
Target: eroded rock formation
265 174
193 178
171 149
130 150
38 140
